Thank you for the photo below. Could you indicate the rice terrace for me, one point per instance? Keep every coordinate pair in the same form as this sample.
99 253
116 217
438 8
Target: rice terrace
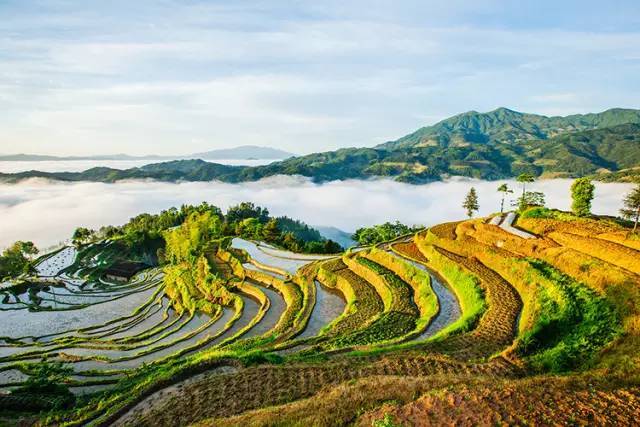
527 319
319 214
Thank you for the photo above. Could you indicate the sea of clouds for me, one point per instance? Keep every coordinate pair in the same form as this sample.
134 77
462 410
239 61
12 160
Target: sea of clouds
47 212
82 165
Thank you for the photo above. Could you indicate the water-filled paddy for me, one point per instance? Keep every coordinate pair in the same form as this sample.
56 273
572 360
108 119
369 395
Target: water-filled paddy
449 306
329 305
289 265
52 265
24 323
276 308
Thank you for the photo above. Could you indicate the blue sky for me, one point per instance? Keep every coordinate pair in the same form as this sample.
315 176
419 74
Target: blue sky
173 77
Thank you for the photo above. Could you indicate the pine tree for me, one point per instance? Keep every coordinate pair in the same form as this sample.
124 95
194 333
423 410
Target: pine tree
504 189
582 191
471 202
524 178
631 208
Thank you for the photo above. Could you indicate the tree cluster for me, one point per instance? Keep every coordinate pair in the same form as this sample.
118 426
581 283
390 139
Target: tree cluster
145 232
382 233
16 260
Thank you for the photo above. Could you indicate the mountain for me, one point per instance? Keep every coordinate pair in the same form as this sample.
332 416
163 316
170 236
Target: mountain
173 171
495 145
40 157
243 152
507 126
339 236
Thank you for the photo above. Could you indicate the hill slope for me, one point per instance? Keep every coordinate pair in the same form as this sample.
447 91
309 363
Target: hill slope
508 126
495 145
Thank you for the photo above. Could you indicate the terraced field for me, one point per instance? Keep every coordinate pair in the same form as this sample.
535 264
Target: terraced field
465 323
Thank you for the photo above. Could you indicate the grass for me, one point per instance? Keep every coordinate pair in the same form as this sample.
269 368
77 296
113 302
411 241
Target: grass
420 281
401 293
466 287
363 302
571 327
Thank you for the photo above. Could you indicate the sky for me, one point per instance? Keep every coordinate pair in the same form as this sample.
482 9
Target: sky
175 77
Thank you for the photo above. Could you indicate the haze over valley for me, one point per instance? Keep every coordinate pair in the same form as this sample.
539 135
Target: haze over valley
70 205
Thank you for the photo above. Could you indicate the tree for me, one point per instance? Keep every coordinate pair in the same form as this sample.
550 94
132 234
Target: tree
15 260
47 386
471 202
290 242
26 248
82 235
46 376
582 191
631 209
381 233
530 199
331 247
271 231
504 189
524 178
247 210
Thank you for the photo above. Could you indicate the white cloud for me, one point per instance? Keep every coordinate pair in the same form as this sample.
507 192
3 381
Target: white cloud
150 77
48 212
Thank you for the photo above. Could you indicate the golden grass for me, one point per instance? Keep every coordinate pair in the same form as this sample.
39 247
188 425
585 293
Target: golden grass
539 401
610 252
341 404
381 286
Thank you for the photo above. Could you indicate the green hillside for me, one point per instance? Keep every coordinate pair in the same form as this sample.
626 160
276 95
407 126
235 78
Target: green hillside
507 126
495 145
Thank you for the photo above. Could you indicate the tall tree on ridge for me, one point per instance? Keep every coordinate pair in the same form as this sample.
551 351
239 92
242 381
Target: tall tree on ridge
631 209
504 189
471 202
524 178
582 191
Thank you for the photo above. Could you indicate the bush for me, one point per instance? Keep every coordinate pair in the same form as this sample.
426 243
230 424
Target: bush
44 390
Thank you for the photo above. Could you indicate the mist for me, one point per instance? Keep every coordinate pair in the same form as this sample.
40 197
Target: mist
47 212
15 166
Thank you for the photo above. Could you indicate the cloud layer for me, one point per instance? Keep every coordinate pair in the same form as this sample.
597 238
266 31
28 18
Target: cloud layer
48 212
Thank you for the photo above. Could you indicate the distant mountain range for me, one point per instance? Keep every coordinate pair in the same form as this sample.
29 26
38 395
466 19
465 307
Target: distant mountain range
339 236
499 144
244 152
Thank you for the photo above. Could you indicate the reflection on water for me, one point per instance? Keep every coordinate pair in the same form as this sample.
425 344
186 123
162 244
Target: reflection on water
23 322
271 317
290 265
329 305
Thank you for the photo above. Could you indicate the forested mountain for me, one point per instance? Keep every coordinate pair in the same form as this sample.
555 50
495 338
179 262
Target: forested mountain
507 126
495 145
